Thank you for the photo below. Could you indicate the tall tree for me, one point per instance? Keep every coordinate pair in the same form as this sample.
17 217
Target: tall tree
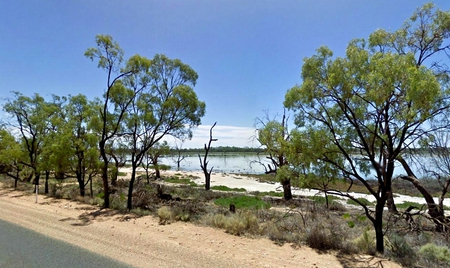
32 122
11 156
167 105
374 102
73 147
117 97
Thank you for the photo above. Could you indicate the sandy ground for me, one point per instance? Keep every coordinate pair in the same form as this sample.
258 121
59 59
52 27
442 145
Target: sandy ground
142 242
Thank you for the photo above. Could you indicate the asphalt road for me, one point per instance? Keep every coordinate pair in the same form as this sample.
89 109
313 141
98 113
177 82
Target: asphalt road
20 247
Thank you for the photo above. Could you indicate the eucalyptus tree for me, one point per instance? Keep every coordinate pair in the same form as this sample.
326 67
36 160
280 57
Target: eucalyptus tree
11 156
117 97
274 136
167 105
32 124
73 146
374 102
153 157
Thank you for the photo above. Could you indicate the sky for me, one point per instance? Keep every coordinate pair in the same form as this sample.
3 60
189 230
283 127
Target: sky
247 53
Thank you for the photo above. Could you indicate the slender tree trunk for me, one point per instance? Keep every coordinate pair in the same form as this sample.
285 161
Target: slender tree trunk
90 186
287 189
390 203
130 188
36 185
81 184
157 172
104 175
47 175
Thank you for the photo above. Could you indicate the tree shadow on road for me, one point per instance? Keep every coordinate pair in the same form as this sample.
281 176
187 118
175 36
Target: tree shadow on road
350 261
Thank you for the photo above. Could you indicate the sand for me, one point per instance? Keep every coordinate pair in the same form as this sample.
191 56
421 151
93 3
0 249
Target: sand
142 242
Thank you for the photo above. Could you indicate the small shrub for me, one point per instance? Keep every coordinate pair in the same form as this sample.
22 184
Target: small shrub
434 253
165 215
400 250
240 223
365 243
141 212
320 238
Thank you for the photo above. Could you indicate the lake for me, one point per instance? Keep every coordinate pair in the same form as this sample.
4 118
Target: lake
246 163
223 163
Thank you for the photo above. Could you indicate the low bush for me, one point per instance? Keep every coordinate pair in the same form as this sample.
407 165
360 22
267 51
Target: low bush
439 255
365 243
240 223
400 250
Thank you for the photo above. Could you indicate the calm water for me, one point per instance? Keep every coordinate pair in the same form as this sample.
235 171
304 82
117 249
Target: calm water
247 164
243 163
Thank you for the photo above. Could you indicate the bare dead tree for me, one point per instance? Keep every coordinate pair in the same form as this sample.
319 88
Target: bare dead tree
204 162
179 157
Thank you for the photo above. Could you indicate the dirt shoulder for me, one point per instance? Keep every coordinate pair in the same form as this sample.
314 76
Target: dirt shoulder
142 242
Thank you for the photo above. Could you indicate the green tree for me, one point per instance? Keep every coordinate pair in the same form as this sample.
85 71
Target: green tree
274 137
152 157
117 97
166 105
32 122
72 148
374 103
11 155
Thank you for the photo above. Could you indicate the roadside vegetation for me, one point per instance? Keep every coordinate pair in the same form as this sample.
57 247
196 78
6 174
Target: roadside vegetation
355 119
300 221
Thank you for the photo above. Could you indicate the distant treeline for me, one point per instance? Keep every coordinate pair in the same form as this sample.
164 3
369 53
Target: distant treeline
221 149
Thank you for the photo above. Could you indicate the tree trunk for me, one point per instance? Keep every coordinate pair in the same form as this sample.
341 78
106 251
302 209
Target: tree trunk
207 181
378 225
130 188
390 203
47 175
157 172
105 176
90 186
287 189
81 184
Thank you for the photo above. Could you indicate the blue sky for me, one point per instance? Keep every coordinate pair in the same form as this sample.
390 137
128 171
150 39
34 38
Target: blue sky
247 53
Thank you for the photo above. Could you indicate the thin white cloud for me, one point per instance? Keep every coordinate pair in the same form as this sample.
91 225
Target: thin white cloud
226 135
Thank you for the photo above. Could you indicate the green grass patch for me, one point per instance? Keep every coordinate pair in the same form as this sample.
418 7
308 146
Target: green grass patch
180 181
321 199
242 202
226 188
407 204
271 193
361 199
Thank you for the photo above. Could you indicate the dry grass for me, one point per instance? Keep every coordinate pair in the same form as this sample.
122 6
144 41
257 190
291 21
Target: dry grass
299 221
